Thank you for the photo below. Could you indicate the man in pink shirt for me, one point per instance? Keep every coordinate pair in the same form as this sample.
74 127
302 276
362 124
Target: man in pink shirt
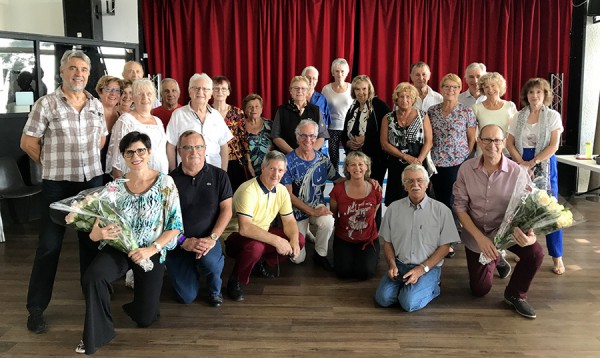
481 194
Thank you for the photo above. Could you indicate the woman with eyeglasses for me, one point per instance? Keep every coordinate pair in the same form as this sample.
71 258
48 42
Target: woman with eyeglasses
533 140
149 202
109 90
289 115
494 110
354 204
239 152
454 129
406 137
139 119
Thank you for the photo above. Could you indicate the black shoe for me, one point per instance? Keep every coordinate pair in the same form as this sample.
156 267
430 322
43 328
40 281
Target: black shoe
260 270
234 290
323 262
36 322
215 300
503 268
520 305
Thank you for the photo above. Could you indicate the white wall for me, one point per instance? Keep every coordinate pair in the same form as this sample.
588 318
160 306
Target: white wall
32 16
591 84
123 26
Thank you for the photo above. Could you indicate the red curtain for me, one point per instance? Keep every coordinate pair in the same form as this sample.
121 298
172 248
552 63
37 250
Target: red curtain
258 44
518 38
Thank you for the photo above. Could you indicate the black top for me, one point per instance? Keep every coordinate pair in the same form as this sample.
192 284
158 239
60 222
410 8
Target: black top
200 197
287 119
372 145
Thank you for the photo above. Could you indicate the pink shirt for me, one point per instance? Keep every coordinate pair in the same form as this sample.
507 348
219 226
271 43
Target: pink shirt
485 198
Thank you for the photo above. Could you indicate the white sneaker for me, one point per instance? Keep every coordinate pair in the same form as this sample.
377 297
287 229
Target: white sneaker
80 348
129 279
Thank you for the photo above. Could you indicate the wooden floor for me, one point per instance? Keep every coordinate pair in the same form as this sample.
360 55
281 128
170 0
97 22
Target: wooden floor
307 312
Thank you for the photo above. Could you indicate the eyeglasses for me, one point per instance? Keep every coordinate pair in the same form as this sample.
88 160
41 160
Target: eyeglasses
198 89
190 148
418 180
454 88
300 89
220 89
140 152
487 141
112 90
307 136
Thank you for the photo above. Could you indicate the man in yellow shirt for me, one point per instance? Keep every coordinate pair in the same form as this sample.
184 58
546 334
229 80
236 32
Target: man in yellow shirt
256 204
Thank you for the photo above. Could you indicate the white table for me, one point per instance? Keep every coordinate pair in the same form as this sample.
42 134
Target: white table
570 159
589 164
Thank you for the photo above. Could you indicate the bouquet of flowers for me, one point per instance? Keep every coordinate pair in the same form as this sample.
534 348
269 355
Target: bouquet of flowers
530 208
94 203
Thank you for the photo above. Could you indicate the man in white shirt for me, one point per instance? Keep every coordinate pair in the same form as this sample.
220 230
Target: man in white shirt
420 75
473 95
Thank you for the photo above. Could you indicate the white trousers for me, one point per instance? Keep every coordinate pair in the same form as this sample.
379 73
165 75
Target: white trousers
324 230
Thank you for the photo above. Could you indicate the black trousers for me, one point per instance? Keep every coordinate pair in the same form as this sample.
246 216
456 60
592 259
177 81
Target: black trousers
351 261
43 271
108 266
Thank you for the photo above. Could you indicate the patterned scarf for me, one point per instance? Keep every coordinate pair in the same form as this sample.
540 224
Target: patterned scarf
543 140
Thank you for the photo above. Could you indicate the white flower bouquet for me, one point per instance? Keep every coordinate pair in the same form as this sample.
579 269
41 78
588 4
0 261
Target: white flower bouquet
530 208
94 203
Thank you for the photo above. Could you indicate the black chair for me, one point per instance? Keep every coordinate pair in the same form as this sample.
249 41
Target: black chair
13 187
35 172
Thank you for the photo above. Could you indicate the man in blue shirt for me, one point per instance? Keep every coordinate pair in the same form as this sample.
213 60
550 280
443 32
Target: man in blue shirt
305 178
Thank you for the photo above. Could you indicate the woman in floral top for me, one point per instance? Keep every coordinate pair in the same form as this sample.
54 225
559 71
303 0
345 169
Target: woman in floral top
149 202
259 132
239 152
454 128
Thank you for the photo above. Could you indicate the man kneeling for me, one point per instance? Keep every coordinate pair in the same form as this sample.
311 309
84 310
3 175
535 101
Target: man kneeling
417 232
256 204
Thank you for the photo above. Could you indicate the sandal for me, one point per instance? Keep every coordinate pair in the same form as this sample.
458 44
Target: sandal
80 348
559 267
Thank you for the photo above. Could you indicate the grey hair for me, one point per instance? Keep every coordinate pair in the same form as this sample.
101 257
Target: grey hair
169 80
493 125
475 65
305 122
416 168
187 134
69 54
339 62
141 84
274 155
197 76
308 68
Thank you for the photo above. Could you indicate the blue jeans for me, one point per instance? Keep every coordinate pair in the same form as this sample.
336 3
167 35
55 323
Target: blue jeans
184 269
411 297
50 242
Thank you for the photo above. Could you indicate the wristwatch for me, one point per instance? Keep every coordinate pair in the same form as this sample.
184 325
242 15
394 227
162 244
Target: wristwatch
425 267
537 161
214 236
157 245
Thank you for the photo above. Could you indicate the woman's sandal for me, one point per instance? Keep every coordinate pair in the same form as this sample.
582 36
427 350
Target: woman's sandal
559 267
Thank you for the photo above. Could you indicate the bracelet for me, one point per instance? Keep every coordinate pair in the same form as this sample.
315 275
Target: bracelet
181 239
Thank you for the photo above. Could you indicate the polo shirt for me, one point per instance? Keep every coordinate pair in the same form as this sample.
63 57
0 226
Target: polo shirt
200 197
254 200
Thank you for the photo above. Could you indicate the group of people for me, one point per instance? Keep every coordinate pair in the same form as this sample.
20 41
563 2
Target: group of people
190 168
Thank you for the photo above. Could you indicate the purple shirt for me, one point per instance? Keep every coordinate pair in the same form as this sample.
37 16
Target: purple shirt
485 198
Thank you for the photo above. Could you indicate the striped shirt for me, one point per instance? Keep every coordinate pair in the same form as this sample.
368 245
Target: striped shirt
70 140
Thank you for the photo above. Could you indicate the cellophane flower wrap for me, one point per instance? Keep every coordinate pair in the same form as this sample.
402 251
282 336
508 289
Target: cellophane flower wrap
530 208
100 203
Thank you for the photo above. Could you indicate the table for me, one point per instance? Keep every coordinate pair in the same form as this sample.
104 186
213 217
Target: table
589 164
